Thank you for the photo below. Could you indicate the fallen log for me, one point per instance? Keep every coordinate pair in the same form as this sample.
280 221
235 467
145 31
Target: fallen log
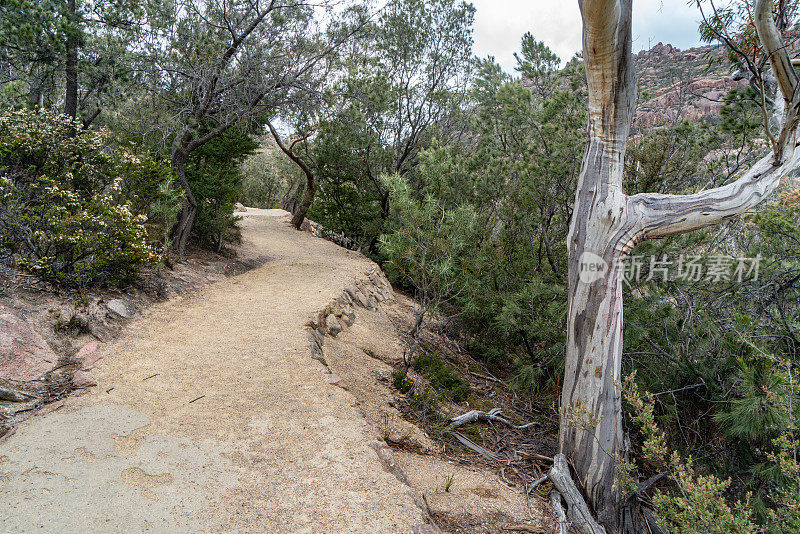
558 511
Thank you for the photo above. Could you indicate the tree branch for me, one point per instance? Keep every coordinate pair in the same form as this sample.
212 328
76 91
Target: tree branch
773 45
660 215
289 151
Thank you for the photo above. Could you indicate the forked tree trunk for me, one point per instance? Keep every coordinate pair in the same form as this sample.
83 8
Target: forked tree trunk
292 197
606 224
591 412
299 214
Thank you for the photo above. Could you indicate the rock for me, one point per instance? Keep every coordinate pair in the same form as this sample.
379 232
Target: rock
121 308
316 353
89 355
12 395
81 379
239 208
24 354
100 333
351 290
362 299
334 329
315 337
335 380
349 316
306 226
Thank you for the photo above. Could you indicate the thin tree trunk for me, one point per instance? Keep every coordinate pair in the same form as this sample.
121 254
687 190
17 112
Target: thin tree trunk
36 91
71 64
292 197
189 205
300 211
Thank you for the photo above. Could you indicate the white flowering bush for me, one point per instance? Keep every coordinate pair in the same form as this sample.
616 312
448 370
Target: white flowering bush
65 212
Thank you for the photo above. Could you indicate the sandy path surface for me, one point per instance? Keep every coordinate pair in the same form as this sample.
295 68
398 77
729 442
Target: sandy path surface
269 447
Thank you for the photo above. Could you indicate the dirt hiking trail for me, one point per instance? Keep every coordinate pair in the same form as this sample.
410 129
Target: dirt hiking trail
211 416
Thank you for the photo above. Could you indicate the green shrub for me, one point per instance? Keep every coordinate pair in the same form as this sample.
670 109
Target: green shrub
64 213
214 174
443 378
401 382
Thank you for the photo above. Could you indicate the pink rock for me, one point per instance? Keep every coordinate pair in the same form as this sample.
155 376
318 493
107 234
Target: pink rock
89 355
335 380
81 380
24 354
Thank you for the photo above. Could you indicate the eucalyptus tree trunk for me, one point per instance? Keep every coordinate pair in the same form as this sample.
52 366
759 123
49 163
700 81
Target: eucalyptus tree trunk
606 224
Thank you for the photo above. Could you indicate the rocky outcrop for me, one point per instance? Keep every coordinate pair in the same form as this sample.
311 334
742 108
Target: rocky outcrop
677 86
24 354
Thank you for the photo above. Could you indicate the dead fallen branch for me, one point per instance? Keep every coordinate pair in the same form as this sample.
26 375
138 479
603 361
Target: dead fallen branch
487 378
468 443
495 416
537 483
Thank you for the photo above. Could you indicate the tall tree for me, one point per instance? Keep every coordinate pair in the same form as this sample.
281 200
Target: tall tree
406 79
607 223
223 63
67 53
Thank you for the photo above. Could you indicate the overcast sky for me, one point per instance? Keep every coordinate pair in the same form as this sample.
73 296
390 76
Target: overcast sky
500 24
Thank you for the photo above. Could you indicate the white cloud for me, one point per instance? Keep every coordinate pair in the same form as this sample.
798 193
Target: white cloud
500 24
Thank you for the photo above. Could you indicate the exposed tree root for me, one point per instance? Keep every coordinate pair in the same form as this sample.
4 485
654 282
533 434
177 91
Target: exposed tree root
578 512
558 511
